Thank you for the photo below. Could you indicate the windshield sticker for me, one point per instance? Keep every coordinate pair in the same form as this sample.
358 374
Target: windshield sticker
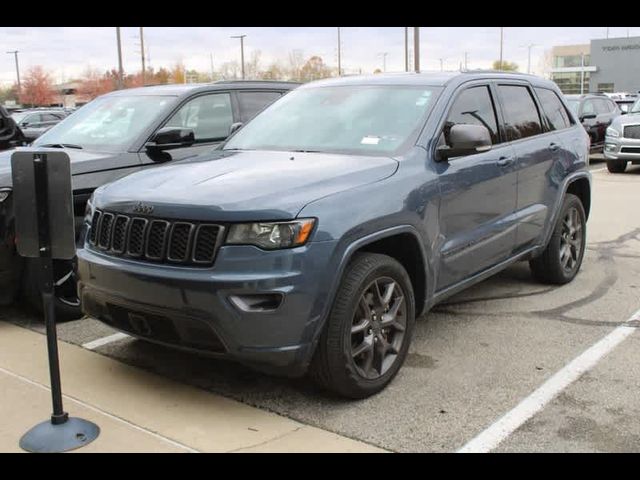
370 140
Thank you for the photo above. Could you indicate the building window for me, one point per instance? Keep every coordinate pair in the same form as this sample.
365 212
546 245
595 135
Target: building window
570 61
606 88
569 82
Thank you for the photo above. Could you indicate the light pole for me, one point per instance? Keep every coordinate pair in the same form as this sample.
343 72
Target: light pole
241 37
339 55
529 47
15 55
142 55
581 73
416 49
466 59
501 39
442 64
120 71
406 49
384 60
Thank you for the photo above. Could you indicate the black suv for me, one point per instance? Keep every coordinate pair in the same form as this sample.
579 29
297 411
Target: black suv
595 111
119 133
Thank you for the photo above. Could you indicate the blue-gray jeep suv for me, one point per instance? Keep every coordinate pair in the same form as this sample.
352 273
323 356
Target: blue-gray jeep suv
315 235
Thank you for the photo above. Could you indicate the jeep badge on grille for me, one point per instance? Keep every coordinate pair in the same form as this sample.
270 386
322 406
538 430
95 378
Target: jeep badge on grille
143 208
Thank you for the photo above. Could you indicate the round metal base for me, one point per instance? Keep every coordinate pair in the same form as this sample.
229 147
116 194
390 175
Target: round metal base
49 438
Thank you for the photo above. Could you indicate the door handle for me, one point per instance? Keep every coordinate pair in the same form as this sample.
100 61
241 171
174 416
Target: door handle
554 147
504 161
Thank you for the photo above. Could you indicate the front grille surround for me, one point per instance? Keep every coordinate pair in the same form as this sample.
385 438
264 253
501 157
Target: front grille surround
156 240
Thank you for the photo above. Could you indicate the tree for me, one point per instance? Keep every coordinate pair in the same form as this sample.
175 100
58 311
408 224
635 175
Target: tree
275 71
162 76
505 66
377 70
93 84
296 61
230 70
314 69
37 88
178 73
252 67
9 93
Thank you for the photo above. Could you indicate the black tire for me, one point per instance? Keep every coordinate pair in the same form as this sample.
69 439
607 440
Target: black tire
550 266
334 366
67 306
616 166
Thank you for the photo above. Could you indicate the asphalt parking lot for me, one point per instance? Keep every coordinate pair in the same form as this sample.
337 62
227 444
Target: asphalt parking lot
473 359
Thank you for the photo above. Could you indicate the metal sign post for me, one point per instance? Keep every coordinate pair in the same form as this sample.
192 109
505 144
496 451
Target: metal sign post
45 229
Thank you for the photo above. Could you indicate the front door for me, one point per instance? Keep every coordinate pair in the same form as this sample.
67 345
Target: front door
478 195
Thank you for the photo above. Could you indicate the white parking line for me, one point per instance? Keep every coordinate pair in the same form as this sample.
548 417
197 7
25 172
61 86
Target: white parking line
599 169
505 426
104 341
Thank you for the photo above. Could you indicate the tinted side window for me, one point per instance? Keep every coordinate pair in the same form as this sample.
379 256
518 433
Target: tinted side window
520 112
473 106
253 102
553 109
50 117
210 117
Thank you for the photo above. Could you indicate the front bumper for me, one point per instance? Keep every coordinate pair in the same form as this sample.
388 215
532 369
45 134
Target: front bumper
621 148
191 308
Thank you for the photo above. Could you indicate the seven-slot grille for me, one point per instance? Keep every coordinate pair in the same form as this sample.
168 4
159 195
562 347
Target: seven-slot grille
631 131
155 239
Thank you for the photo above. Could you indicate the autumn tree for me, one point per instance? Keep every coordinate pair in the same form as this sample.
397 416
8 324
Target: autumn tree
275 71
93 83
162 76
178 73
314 69
505 66
37 88
230 70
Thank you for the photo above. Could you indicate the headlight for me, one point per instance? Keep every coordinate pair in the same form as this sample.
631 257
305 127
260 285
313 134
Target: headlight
612 132
4 194
272 235
88 210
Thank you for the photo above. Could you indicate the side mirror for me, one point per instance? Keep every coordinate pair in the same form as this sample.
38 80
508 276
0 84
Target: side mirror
234 127
588 116
169 138
24 124
465 140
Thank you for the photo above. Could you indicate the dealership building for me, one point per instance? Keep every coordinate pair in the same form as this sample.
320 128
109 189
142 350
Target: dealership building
605 65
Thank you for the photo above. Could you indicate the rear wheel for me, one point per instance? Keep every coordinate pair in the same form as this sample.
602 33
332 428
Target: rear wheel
616 166
369 329
66 301
561 260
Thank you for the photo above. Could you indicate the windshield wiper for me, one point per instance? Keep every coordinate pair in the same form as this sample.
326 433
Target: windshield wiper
61 145
306 151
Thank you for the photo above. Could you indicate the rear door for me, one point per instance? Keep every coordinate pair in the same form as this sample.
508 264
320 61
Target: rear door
478 193
538 153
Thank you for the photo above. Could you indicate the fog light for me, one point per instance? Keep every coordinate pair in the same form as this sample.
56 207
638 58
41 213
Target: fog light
257 302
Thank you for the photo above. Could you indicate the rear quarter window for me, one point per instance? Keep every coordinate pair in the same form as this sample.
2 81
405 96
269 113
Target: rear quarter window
553 109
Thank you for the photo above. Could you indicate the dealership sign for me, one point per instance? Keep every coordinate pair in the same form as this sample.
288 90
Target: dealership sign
633 46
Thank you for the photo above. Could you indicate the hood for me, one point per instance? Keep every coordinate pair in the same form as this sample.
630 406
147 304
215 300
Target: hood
242 186
82 161
628 119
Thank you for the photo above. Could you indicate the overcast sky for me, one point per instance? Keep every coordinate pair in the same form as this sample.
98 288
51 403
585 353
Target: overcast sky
67 51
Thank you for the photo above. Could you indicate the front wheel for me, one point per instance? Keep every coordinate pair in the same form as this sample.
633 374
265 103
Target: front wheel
369 329
616 166
66 302
561 260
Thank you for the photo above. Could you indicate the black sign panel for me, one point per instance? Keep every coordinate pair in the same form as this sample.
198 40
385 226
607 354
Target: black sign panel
43 175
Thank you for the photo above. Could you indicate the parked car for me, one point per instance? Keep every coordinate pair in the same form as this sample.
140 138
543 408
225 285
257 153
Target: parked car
622 143
314 237
34 123
625 104
10 134
119 133
596 112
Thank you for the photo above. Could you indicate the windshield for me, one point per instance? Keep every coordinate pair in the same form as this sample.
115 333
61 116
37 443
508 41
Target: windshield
18 117
377 120
636 107
107 124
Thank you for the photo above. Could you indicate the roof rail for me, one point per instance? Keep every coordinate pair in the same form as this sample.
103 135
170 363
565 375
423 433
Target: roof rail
254 81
